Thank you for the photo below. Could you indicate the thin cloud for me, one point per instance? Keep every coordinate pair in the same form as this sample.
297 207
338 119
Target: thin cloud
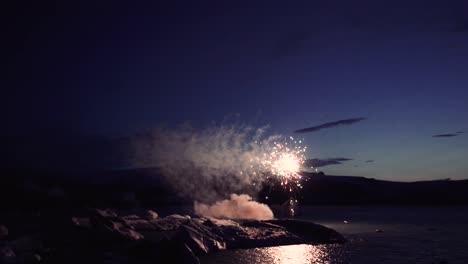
342 122
369 161
460 132
324 162
445 135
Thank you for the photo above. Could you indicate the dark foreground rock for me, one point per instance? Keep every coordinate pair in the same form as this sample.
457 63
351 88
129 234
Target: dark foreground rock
102 236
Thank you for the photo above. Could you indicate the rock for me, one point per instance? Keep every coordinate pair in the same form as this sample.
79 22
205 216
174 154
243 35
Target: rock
31 258
131 217
259 234
209 223
7 254
106 221
138 224
178 217
200 238
105 237
311 232
150 215
3 231
37 257
104 213
171 222
81 221
124 231
164 225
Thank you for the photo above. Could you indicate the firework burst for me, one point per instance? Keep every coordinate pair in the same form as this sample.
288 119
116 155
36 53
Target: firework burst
209 163
284 161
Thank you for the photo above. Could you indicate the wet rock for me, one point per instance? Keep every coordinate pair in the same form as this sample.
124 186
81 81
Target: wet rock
310 232
200 238
171 222
179 217
7 255
150 215
104 213
30 258
164 225
137 223
123 230
37 257
107 222
105 237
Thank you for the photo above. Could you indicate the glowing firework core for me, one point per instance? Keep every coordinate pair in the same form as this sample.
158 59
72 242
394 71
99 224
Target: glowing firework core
287 165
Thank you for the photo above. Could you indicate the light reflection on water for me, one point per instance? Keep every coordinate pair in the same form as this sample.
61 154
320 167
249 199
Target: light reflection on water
293 254
297 254
410 235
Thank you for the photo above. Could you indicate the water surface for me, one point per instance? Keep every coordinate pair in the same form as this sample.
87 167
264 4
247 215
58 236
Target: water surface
385 234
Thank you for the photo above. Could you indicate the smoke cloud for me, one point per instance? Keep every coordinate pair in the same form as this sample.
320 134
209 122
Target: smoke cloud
207 164
237 207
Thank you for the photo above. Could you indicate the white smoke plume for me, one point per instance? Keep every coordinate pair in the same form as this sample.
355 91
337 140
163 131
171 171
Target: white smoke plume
237 207
207 164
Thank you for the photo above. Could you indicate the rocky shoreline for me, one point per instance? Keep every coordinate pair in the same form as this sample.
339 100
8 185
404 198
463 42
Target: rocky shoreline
103 236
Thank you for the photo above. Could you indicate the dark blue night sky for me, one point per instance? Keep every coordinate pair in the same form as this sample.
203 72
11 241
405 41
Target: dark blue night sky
115 69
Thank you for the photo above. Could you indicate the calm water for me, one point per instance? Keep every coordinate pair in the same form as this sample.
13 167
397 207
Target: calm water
408 235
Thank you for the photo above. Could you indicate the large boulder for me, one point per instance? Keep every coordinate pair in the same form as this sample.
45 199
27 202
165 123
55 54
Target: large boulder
105 213
309 231
7 255
135 222
108 223
200 238
150 215
107 237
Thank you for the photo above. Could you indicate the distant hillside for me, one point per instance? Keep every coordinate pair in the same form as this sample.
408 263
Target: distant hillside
326 189
146 187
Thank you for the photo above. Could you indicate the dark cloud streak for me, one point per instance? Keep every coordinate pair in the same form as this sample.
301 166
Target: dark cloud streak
445 135
349 121
324 162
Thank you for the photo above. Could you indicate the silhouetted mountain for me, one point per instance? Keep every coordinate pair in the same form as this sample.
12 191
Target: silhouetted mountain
146 187
322 189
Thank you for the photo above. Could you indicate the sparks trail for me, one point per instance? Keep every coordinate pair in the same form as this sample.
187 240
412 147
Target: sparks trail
281 164
285 163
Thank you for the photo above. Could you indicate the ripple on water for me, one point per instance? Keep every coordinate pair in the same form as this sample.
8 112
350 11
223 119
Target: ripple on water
297 254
